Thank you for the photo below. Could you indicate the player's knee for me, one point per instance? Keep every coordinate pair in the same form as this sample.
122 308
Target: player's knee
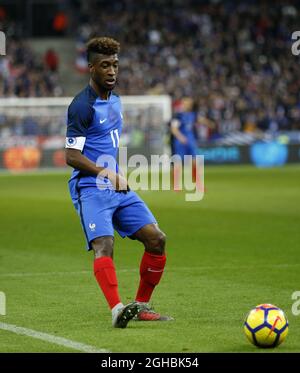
157 243
103 246
161 240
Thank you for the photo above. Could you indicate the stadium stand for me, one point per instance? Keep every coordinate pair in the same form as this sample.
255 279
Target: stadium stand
23 73
230 56
233 58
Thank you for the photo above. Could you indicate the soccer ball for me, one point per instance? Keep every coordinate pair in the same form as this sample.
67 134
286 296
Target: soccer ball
266 326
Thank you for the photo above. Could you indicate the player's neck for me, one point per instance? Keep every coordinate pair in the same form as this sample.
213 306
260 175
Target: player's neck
103 94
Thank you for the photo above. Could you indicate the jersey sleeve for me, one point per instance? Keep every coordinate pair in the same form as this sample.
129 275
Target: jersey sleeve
78 120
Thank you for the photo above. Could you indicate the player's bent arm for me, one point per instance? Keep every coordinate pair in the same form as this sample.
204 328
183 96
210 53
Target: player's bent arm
76 159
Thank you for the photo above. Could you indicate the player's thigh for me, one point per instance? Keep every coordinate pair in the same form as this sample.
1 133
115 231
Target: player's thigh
132 215
179 149
96 213
191 147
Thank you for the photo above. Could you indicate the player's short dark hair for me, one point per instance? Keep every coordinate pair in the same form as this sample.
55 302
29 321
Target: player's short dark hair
102 45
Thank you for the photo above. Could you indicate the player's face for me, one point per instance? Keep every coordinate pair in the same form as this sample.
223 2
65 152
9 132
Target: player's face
104 71
187 104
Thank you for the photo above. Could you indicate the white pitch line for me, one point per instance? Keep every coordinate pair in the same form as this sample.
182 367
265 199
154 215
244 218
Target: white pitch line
51 338
42 274
125 270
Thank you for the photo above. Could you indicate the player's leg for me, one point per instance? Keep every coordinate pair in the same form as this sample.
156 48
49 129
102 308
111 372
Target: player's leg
177 175
135 220
153 260
105 273
95 209
151 269
104 269
179 150
191 149
96 218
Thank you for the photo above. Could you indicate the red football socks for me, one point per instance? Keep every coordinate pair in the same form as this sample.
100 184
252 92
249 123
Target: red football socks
151 270
105 274
194 172
177 176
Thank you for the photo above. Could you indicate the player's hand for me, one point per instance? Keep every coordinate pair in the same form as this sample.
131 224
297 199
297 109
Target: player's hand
183 139
120 183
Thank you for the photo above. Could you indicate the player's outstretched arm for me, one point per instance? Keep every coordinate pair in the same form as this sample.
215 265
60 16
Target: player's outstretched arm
77 160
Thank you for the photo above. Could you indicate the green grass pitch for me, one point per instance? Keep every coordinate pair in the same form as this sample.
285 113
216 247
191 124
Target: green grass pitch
236 248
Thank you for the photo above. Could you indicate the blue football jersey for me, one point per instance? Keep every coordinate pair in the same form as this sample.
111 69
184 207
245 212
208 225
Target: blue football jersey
94 127
187 121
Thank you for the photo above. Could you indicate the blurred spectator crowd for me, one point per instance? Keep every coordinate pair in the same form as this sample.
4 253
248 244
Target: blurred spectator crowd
22 72
234 58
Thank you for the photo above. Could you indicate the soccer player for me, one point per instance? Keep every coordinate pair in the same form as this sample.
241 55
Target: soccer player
101 194
183 136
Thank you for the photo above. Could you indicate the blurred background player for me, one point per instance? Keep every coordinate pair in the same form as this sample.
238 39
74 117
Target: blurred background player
184 140
101 195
